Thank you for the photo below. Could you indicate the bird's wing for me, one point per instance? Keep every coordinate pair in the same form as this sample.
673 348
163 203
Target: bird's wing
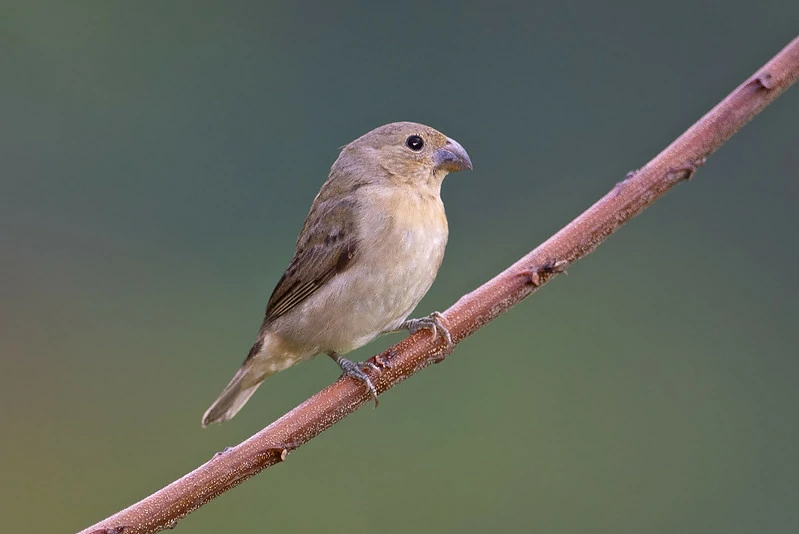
326 246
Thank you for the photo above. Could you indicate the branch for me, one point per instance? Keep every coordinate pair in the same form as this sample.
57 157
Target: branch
628 198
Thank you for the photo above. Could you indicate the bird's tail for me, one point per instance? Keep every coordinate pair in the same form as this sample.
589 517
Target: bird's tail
241 387
234 396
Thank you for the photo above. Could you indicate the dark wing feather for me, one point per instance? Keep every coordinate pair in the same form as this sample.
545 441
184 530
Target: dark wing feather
326 246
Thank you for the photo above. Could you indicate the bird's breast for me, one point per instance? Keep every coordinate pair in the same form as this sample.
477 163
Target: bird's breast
400 249
410 229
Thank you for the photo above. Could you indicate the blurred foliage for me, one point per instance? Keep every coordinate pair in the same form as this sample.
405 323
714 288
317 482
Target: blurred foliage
158 159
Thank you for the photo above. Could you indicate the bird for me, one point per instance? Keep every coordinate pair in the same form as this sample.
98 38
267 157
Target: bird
369 250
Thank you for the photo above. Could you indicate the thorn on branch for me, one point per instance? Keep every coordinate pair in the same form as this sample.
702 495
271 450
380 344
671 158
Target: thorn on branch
549 268
689 168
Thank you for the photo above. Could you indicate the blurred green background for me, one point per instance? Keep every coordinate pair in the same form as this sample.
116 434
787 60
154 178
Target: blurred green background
158 159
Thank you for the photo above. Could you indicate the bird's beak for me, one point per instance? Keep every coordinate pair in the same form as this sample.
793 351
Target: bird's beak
452 157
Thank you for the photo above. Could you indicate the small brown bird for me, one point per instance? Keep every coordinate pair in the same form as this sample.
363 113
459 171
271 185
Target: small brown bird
368 252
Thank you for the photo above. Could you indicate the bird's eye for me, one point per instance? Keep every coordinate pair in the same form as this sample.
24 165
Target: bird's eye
415 143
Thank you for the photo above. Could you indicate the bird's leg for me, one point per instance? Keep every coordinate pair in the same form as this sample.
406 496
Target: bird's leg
432 322
355 371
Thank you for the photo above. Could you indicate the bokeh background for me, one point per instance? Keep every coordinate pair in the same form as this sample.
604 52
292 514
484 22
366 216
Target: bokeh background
158 158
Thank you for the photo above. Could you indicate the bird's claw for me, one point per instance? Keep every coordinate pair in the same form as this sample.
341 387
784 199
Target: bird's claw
433 322
354 370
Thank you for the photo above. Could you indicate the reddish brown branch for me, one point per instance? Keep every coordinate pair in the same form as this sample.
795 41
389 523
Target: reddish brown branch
628 198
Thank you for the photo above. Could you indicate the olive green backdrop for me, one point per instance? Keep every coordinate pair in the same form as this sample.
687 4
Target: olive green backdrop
157 160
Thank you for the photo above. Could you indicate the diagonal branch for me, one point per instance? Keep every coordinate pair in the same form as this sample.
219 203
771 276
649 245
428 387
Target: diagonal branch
628 198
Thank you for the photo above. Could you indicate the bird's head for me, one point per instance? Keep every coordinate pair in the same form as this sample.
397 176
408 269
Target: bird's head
407 152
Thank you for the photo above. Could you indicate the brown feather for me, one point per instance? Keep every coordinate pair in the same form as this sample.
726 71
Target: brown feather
323 250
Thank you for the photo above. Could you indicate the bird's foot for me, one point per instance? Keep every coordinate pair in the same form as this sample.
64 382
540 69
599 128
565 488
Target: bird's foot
355 370
432 322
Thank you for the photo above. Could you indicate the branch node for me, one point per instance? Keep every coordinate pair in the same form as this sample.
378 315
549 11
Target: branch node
556 267
689 169
539 275
385 359
441 355
223 451
620 183
286 449
765 80
110 530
